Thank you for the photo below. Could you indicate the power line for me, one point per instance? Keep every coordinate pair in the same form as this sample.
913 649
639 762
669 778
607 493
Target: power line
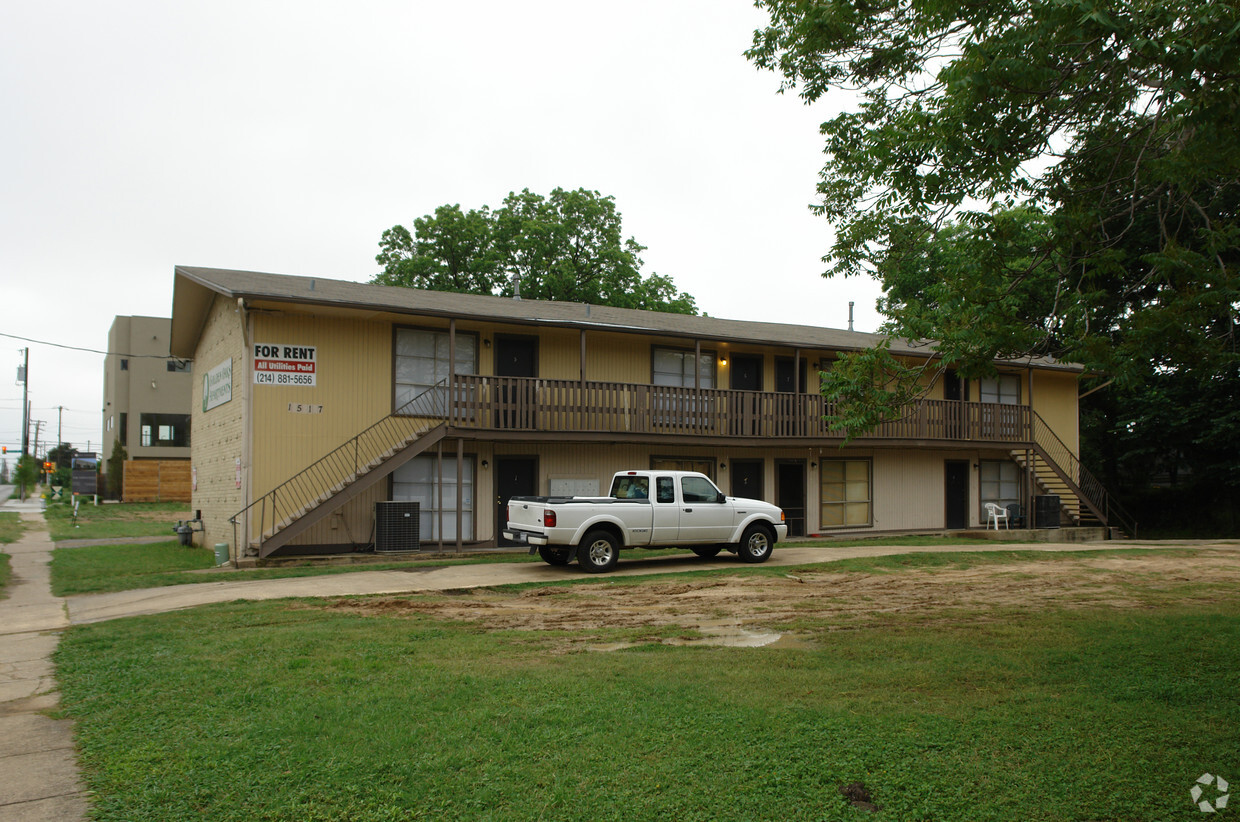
92 350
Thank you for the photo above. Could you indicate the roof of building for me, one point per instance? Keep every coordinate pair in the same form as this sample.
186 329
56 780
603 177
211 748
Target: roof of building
193 287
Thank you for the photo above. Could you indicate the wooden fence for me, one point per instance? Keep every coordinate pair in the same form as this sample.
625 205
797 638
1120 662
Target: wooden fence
157 481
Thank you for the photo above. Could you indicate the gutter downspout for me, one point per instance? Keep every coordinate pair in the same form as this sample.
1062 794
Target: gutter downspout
247 437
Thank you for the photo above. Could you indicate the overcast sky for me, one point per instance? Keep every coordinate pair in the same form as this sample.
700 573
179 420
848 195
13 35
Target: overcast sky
285 137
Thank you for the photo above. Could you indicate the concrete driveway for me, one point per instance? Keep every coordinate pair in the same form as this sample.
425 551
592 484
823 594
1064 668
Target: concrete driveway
88 608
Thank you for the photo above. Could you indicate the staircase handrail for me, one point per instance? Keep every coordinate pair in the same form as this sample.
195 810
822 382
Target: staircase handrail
345 462
1093 493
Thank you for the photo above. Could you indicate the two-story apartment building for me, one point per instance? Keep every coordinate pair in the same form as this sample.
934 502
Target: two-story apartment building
315 399
146 397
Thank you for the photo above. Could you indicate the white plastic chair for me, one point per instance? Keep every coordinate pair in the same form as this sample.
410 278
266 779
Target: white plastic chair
994 513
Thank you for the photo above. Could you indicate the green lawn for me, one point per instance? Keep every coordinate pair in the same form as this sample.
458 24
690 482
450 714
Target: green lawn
131 519
122 567
293 711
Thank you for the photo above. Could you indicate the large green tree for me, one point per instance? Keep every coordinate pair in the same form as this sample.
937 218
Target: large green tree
569 245
1031 177
1043 178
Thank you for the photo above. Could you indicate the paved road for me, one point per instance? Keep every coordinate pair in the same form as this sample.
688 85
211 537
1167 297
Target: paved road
88 608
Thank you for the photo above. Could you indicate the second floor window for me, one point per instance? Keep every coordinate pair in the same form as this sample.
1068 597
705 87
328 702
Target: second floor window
1003 389
673 366
422 360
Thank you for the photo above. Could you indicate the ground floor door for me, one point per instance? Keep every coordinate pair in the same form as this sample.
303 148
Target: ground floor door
514 477
956 494
747 479
790 494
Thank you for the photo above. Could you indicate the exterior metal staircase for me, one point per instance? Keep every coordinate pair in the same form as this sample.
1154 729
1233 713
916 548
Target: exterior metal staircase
293 506
1083 499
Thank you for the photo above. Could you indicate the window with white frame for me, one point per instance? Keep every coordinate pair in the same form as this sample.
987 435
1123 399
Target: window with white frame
1000 483
1003 389
418 481
422 360
846 499
673 366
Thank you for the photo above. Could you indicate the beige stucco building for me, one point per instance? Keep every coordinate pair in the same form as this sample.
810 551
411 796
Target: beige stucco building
315 399
146 392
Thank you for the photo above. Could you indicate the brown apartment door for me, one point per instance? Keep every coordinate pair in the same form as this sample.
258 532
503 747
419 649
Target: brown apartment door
956 494
515 356
747 479
790 409
790 494
514 477
746 375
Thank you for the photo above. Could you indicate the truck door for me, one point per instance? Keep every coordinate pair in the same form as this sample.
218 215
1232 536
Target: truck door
702 517
666 511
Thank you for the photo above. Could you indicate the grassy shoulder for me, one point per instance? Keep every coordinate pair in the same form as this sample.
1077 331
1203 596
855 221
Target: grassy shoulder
11 527
296 711
114 520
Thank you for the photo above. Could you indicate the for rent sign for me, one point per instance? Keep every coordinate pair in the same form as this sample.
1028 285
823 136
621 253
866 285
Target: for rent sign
284 364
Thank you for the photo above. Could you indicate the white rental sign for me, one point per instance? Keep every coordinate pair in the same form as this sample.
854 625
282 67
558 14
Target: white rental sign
217 385
284 364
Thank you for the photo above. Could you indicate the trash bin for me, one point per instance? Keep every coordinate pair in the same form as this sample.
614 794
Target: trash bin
221 553
1046 511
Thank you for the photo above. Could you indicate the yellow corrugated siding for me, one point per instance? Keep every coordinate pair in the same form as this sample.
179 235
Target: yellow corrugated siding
353 384
559 355
1055 400
617 358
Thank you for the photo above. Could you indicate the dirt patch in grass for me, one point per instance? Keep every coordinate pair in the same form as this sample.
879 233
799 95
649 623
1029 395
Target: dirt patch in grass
805 601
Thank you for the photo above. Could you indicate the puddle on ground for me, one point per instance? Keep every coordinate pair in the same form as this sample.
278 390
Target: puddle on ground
719 635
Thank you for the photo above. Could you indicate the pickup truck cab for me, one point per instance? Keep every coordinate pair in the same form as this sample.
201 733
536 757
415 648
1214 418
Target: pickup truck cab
645 509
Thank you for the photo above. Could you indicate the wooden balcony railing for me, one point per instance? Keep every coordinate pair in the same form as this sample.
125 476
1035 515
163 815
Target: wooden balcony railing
573 406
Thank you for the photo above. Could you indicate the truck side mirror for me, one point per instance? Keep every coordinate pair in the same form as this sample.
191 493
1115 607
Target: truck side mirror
722 498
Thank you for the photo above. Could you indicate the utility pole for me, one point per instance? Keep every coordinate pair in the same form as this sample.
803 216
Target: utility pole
37 425
23 374
60 425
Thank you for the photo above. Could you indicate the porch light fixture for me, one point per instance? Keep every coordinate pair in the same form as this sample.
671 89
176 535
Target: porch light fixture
485 465
723 360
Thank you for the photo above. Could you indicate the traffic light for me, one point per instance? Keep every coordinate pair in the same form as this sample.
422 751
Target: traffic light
4 449
49 467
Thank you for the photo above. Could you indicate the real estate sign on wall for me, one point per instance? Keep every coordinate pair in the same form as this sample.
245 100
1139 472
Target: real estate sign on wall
217 385
284 364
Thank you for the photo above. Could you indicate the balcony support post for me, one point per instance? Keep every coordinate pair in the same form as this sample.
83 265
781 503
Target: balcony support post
460 464
439 492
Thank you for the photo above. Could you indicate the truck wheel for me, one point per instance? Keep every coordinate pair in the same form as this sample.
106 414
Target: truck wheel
706 551
555 556
598 552
756 544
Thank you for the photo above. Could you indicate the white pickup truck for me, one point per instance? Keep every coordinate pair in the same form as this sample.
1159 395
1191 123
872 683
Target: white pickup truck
645 509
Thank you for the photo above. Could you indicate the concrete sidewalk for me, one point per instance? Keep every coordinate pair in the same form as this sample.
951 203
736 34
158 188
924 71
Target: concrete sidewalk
37 754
